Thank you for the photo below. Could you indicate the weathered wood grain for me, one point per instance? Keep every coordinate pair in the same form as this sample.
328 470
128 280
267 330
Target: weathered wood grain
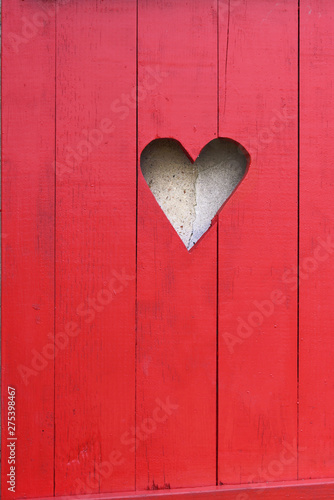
316 273
176 336
28 170
258 245
96 245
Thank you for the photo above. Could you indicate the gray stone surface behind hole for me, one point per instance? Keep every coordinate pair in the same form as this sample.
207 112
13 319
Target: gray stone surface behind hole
191 194
221 166
172 177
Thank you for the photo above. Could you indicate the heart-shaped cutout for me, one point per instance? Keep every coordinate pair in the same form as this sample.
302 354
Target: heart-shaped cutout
192 193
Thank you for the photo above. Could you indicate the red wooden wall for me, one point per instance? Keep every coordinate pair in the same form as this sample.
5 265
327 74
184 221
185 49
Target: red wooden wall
136 364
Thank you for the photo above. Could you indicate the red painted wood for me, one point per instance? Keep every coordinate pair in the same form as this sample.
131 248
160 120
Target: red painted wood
28 155
302 490
258 245
316 239
109 384
96 245
176 336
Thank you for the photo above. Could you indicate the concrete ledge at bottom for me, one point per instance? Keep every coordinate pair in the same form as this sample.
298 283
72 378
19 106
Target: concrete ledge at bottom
311 489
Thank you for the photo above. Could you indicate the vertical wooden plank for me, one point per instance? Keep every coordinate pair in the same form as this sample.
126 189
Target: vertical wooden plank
28 159
96 245
258 244
176 342
316 239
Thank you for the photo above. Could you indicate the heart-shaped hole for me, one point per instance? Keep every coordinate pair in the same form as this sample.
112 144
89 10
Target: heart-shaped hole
192 193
